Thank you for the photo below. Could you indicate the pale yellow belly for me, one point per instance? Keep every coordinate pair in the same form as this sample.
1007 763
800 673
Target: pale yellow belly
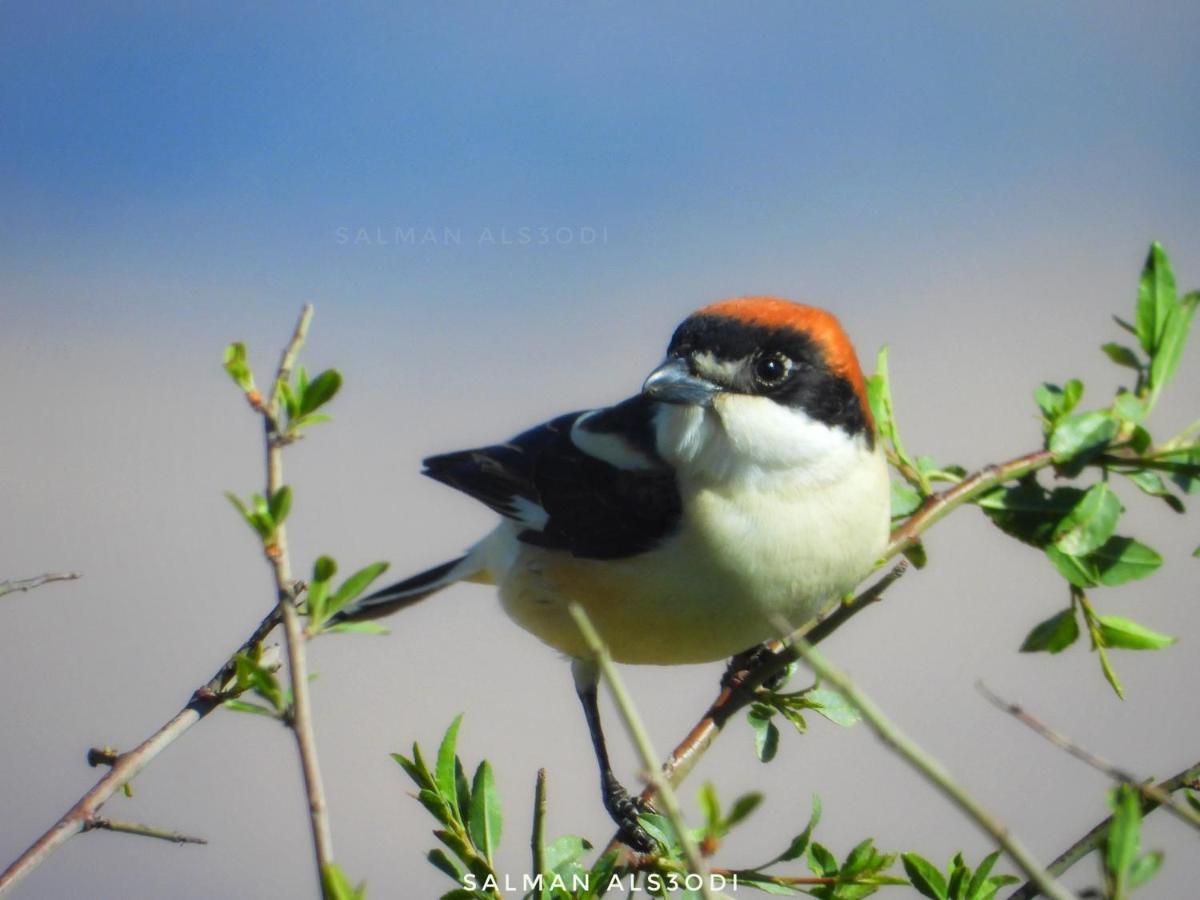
708 592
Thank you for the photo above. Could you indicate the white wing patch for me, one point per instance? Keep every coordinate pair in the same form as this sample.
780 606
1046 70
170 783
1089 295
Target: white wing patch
609 447
529 514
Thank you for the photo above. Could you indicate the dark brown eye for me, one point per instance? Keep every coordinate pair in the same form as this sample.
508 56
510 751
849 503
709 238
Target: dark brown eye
771 370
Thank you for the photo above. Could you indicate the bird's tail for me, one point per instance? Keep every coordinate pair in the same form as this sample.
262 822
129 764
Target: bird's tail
412 590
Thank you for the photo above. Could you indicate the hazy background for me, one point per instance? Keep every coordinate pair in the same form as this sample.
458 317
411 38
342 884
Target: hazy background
975 185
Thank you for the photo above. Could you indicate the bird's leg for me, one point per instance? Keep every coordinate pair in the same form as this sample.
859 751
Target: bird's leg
744 664
621 806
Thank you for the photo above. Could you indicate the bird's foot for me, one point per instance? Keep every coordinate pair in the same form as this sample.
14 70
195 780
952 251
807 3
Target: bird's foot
625 810
745 664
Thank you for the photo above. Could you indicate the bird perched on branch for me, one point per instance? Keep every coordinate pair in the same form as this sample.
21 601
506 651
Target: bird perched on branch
743 486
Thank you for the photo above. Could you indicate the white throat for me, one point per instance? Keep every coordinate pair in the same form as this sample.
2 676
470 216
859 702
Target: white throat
742 437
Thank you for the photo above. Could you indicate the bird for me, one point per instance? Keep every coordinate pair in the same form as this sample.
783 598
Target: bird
744 486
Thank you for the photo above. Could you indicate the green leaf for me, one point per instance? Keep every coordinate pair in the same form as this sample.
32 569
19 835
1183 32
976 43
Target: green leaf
742 808
337 887
1122 355
324 568
979 879
859 858
1129 635
659 827
709 805
1053 635
237 366
1090 523
320 391
255 708
1145 869
1078 571
447 864
833 706
1110 674
1129 407
1156 299
1082 433
1124 834
1122 559
1119 560
1152 483
257 517
355 585
924 876
1174 339
821 862
1055 402
800 842
766 737
444 770
564 851
486 821
905 499
280 505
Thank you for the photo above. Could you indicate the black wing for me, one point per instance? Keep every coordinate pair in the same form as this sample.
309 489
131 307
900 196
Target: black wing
590 483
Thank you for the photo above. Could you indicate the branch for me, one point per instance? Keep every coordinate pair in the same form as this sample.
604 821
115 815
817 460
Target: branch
932 770
126 766
637 731
174 837
300 718
1147 790
28 584
1095 838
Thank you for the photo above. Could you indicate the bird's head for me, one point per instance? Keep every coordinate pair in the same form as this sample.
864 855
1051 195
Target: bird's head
780 379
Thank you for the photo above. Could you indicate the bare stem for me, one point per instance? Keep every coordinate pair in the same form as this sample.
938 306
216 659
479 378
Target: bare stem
931 769
537 839
1095 838
28 584
641 740
300 717
1148 790
174 837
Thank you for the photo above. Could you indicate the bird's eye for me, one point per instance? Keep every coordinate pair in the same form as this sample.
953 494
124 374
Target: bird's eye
772 369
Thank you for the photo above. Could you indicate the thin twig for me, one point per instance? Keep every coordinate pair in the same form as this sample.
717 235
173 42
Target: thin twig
28 584
1095 838
1142 786
300 718
174 837
931 769
641 740
537 839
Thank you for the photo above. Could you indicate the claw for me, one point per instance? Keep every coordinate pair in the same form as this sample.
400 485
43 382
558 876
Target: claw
624 811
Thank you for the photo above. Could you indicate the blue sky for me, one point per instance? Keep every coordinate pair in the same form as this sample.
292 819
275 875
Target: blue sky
190 159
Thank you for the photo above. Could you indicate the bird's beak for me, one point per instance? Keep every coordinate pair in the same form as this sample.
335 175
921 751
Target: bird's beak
673 383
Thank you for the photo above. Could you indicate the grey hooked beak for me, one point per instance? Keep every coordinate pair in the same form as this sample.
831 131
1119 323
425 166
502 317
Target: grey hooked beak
673 383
